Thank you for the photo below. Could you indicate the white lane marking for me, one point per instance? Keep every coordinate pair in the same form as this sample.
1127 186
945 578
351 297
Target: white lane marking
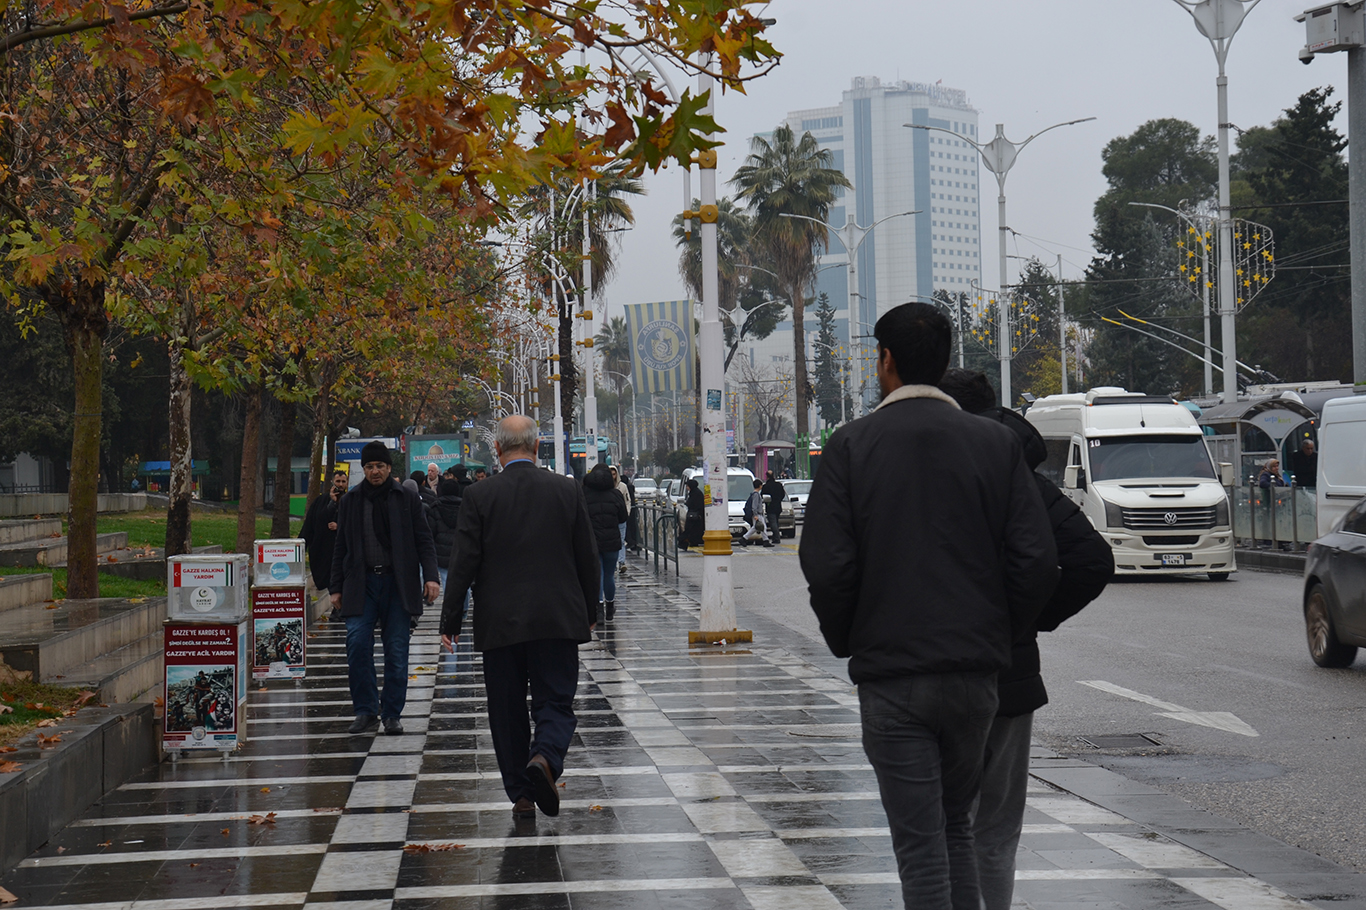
1219 720
1241 894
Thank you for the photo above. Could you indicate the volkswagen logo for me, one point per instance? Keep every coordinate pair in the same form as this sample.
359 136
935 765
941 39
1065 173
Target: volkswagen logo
1169 518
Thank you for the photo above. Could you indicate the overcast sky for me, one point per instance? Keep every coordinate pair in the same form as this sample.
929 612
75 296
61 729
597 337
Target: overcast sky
1024 64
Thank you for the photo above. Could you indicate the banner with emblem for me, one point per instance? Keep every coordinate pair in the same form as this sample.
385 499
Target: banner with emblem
661 346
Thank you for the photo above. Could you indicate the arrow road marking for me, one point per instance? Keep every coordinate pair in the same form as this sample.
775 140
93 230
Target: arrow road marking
1219 720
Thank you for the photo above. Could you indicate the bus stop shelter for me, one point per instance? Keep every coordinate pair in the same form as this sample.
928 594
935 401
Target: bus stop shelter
773 455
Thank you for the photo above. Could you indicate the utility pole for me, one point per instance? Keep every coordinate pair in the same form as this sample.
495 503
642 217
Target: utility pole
1062 329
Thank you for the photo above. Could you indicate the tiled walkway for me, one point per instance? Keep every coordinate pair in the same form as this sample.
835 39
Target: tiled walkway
698 779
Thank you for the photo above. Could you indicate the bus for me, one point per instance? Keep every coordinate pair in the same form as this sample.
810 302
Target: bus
578 449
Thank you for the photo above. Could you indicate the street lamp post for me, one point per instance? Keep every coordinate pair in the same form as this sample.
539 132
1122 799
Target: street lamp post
590 402
851 237
1218 21
998 156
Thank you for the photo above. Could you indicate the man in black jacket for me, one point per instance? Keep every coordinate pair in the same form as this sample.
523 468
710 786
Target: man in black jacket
1087 565
383 556
320 530
525 542
922 567
775 493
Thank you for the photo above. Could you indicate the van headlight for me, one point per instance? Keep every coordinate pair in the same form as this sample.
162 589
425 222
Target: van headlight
1221 513
1114 515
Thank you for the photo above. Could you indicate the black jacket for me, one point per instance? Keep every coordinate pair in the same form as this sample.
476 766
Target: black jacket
319 538
776 494
524 541
443 516
927 548
413 553
606 509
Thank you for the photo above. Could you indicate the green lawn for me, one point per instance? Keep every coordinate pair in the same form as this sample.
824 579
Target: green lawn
148 529
110 585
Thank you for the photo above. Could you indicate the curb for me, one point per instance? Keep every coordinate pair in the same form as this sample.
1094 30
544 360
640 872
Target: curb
101 748
1271 560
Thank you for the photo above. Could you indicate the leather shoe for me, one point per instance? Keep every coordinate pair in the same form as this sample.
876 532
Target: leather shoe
543 785
611 610
524 808
363 723
393 726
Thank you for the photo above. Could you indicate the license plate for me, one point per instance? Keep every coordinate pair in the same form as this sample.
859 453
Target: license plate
1173 559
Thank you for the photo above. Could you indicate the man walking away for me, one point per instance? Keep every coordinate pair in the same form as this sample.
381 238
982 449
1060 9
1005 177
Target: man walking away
776 494
607 510
443 516
629 498
1087 566
524 540
383 569
320 530
754 517
922 585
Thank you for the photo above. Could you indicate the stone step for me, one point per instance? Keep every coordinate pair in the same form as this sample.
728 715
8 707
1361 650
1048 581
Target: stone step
20 590
125 674
53 552
35 529
43 641
144 565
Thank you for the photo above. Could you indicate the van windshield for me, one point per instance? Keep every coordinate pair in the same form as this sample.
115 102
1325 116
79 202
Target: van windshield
1126 457
741 485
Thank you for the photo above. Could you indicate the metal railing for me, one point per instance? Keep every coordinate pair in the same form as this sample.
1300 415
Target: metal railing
658 530
1280 515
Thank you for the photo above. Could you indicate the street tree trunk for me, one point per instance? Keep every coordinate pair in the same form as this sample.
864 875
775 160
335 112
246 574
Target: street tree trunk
284 475
569 374
178 530
85 324
319 468
251 454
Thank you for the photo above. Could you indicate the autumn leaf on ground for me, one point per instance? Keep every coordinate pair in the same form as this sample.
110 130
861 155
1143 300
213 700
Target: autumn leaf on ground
105 843
45 741
51 606
225 832
267 819
6 709
9 767
431 848
560 784
6 897
50 722
265 789
9 749
595 808
192 865
61 849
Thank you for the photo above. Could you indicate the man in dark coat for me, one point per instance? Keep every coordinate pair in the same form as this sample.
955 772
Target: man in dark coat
525 542
606 511
320 530
775 494
1087 565
383 569
923 585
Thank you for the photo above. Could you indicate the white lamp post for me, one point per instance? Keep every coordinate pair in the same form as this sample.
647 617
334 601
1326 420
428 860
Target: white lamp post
1218 20
851 237
998 156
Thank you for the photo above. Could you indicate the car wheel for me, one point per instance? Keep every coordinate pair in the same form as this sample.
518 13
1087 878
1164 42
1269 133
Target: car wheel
1324 646
1218 576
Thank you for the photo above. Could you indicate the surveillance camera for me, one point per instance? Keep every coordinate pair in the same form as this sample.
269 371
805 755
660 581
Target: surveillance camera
1306 56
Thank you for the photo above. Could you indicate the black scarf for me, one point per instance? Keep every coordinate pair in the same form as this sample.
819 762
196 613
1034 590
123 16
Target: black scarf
378 497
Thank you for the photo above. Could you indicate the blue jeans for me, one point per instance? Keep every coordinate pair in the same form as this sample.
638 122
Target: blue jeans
609 580
383 607
925 736
999 817
551 666
621 554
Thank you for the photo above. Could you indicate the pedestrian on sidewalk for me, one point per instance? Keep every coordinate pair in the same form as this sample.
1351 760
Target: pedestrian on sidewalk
754 517
694 518
1086 565
776 494
383 570
628 497
320 530
922 585
525 542
443 515
607 511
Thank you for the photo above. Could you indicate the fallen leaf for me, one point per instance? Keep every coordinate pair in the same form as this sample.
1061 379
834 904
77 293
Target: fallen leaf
225 831
45 741
6 897
192 865
159 702
263 689
9 767
595 808
33 705
51 606
6 709
9 749
50 722
105 844
431 848
61 849
267 819
137 600
560 784
265 789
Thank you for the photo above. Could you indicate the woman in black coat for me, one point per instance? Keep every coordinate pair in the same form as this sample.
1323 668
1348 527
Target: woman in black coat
606 510
694 524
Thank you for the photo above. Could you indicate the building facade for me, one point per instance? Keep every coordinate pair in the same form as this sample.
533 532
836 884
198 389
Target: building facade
893 169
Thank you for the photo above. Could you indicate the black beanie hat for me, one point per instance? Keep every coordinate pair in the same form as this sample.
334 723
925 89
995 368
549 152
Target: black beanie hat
375 451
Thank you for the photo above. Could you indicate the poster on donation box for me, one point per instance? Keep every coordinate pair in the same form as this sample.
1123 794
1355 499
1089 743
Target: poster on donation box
205 685
277 621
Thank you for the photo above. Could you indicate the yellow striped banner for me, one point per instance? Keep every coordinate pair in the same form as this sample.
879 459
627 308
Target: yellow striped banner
661 346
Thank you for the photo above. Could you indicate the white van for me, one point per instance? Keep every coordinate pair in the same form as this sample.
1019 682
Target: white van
740 483
1342 459
1138 467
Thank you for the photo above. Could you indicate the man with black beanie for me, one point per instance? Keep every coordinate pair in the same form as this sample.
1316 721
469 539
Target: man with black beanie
383 570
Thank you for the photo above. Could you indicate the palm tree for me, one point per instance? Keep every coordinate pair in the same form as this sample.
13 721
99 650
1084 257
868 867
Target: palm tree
613 343
789 176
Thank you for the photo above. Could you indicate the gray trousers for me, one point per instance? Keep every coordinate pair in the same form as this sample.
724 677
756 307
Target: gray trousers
999 815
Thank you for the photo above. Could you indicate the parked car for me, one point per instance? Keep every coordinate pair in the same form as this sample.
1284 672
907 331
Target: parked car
1335 591
646 491
797 491
1342 470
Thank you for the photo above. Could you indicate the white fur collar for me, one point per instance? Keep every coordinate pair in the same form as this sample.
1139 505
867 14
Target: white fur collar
916 391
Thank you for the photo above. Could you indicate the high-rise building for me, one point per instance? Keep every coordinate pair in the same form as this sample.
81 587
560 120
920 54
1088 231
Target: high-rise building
894 169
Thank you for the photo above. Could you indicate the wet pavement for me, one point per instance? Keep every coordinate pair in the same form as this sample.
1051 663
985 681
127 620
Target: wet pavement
704 778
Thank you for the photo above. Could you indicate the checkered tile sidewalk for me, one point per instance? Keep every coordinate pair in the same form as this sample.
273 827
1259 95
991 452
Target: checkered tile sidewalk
716 778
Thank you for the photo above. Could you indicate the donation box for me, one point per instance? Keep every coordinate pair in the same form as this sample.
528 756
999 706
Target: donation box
278 562
277 622
207 588
206 686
